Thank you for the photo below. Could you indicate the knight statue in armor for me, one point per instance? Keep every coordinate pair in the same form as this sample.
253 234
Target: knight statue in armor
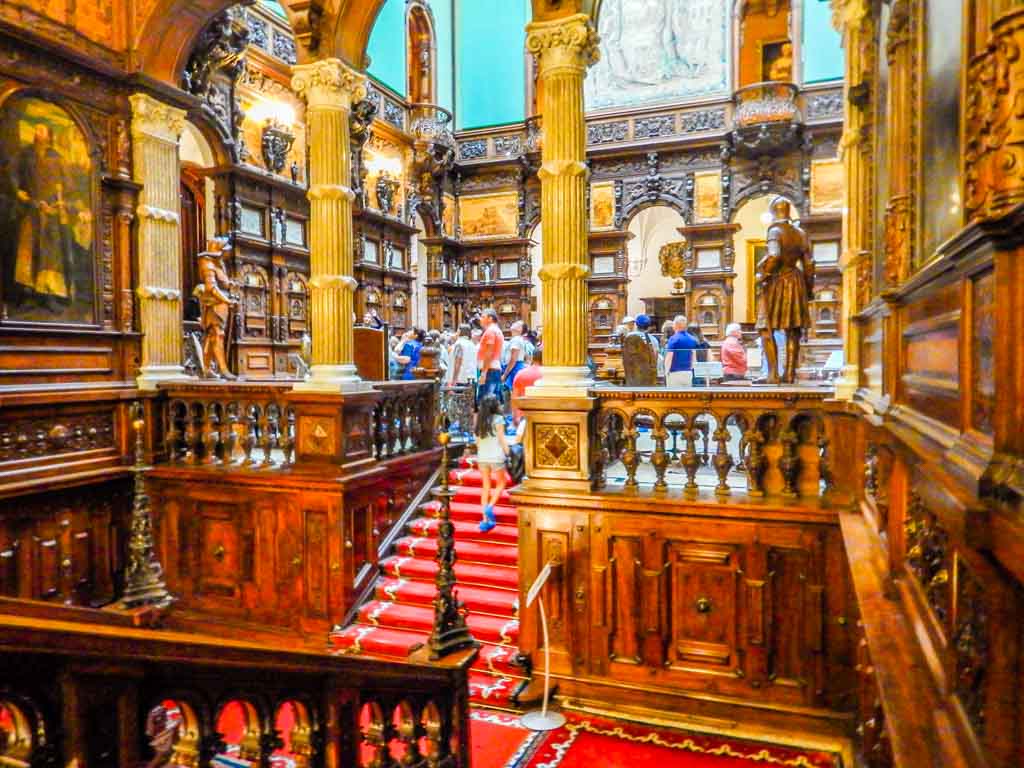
785 279
215 302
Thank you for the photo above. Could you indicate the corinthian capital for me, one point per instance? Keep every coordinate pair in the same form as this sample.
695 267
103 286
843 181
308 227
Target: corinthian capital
563 43
849 13
154 119
329 83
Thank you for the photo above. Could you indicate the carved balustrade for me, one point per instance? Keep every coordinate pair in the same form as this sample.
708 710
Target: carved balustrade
766 118
106 694
764 442
245 425
429 122
403 419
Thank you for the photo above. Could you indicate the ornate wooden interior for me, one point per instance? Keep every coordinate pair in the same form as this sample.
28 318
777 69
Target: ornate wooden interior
844 558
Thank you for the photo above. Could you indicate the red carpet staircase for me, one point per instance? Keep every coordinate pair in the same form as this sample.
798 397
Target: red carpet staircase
398 617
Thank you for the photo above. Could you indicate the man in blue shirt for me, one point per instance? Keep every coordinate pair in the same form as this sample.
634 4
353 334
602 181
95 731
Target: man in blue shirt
679 356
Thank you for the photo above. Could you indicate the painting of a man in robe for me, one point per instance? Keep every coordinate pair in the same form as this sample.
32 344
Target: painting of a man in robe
46 176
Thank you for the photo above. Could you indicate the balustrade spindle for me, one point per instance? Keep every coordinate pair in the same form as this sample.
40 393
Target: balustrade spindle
789 464
191 436
266 438
409 735
174 435
691 459
227 433
377 735
209 435
825 462
660 458
379 428
722 460
754 461
631 457
288 435
402 407
248 434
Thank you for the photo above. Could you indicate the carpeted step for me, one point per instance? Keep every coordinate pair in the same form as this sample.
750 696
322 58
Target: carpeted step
492 691
500 660
465 573
492 629
470 512
465 551
466 530
369 640
467 479
498 602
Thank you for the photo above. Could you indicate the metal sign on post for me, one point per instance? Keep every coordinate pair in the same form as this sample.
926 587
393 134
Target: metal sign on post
541 719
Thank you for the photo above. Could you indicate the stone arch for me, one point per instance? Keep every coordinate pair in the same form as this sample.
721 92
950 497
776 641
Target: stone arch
167 33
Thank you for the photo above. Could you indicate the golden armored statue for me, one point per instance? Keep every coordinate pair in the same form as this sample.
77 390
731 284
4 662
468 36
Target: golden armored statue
786 281
216 306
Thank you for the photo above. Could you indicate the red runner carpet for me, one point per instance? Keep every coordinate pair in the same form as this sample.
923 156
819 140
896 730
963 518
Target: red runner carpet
586 741
399 617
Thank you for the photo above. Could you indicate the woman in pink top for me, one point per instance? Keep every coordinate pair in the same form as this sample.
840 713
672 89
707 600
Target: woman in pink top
734 355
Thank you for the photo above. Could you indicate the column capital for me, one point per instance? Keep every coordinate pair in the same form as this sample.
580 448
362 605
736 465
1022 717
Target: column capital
329 83
849 13
155 120
568 43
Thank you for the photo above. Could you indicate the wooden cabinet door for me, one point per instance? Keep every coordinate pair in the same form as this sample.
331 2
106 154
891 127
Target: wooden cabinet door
704 607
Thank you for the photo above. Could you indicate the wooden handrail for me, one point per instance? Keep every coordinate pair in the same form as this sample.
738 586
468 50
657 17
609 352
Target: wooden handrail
93 694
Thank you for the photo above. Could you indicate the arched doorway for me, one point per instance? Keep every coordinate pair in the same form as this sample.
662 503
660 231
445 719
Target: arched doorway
652 228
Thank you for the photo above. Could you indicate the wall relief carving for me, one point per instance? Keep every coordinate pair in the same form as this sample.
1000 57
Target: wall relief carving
654 51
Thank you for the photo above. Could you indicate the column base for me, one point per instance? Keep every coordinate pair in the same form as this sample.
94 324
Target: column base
152 375
332 379
562 381
848 382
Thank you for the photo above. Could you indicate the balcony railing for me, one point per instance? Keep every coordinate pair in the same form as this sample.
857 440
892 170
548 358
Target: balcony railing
429 122
765 442
766 117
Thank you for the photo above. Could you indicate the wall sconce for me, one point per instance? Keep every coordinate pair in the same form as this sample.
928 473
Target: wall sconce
276 143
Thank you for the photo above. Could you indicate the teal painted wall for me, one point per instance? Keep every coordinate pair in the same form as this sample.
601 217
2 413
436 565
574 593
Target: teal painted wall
444 31
822 46
386 47
490 38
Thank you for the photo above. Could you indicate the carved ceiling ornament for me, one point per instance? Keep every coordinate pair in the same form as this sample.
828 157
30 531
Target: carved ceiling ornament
994 146
329 83
569 43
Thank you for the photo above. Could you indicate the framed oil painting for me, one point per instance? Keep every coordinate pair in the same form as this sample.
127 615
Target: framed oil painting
826 186
47 204
756 250
707 196
494 215
602 206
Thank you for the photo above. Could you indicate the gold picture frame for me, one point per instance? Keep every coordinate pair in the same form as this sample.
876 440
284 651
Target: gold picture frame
707 196
489 216
602 206
826 186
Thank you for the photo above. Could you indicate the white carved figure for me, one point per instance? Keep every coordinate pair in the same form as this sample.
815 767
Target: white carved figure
659 51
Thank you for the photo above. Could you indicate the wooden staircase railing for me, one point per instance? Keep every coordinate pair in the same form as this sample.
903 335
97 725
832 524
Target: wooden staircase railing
108 695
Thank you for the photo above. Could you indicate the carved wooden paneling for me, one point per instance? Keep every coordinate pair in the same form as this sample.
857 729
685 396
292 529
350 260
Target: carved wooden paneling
64 546
704 608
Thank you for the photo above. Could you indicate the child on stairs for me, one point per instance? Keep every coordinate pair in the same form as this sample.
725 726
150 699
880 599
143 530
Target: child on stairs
491 449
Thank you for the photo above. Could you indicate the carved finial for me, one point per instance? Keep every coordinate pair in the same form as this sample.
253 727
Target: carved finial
144 584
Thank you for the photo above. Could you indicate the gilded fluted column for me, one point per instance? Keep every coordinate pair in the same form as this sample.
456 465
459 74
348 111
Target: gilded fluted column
564 48
330 87
854 21
156 128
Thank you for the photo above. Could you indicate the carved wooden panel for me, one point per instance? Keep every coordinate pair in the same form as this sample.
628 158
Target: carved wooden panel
64 546
703 609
